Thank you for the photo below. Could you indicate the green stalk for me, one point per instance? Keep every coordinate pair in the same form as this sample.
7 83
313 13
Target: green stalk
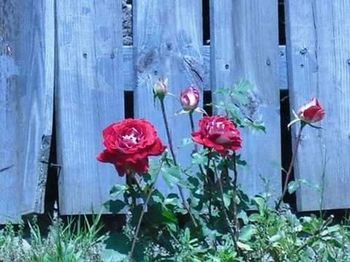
290 168
171 148
144 209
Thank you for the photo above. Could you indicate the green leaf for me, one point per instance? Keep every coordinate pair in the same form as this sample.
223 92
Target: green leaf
170 216
116 190
244 246
227 200
293 186
260 203
118 242
114 206
199 159
110 255
172 176
247 232
243 215
276 237
172 227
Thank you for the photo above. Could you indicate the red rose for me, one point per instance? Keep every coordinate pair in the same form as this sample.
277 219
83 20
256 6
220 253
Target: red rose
189 98
311 112
219 133
129 143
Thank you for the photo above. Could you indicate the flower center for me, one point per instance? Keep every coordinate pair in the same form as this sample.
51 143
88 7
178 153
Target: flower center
132 136
215 127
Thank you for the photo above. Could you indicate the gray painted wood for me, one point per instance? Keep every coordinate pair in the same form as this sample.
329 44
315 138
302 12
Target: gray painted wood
26 104
244 45
129 68
283 77
89 97
9 181
167 41
318 65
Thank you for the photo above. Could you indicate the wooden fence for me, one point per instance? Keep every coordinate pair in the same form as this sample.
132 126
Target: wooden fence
64 62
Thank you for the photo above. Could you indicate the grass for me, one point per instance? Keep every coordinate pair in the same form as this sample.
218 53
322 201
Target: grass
276 237
75 240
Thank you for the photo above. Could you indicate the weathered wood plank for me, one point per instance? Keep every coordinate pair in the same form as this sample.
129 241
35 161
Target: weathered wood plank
129 68
244 45
26 104
9 181
167 46
89 97
318 34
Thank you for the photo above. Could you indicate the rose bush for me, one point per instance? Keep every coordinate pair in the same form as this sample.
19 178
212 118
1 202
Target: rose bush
129 143
219 133
311 112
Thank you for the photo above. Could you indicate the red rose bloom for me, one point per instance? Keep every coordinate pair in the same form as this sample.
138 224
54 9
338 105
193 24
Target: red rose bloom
219 133
311 112
129 143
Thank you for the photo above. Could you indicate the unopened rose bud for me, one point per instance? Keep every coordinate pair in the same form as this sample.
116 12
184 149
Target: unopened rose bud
311 112
160 88
189 98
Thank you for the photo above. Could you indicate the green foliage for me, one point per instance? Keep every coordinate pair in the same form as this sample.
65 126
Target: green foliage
220 223
239 104
216 222
71 242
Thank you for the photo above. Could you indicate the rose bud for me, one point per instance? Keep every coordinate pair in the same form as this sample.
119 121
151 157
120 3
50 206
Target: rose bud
160 88
189 98
219 133
311 112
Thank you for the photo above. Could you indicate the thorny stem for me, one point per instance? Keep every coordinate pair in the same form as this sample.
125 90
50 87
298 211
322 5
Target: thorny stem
205 174
234 193
294 154
144 209
184 202
195 145
191 120
229 224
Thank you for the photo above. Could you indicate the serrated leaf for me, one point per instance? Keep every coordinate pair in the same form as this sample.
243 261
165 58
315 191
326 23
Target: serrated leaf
170 216
199 159
243 215
227 200
275 237
261 203
117 190
293 186
244 246
247 232
254 217
172 176
114 206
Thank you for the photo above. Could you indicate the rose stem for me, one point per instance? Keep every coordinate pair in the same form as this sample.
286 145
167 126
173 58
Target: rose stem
205 175
144 209
294 154
184 202
229 224
235 175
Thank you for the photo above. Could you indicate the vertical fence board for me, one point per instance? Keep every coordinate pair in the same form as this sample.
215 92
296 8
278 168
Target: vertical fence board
89 97
167 38
244 45
26 104
9 180
318 45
